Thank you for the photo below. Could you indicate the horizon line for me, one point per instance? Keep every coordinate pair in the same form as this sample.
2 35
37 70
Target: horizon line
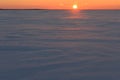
51 9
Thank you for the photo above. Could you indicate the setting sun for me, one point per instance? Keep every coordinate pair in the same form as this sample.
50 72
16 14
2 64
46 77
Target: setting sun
75 6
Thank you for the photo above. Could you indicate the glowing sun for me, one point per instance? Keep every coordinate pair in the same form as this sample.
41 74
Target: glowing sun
75 6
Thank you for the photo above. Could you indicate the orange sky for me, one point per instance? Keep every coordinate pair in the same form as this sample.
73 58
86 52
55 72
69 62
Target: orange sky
60 4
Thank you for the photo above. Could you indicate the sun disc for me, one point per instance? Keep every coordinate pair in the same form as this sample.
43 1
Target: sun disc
75 6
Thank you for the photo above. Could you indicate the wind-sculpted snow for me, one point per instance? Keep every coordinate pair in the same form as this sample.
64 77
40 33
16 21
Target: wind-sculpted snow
59 45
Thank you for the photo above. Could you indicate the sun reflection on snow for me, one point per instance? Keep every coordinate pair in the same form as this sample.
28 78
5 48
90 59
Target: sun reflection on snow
75 14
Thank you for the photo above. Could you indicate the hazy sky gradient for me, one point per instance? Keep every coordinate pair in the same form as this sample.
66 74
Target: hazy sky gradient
60 4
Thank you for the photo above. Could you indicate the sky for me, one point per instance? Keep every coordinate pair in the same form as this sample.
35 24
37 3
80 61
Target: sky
59 4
